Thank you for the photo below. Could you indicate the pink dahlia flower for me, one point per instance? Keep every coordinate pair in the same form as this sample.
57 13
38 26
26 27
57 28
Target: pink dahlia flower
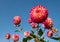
7 36
34 25
15 37
29 20
38 14
16 20
49 33
48 23
26 34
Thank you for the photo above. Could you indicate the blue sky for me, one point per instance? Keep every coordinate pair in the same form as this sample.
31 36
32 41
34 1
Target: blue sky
11 8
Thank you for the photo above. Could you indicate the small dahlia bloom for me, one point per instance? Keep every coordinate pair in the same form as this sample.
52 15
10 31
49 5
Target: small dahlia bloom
49 33
15 37
48 24
38 14
16 20
26 34
29 20
7 36
34 25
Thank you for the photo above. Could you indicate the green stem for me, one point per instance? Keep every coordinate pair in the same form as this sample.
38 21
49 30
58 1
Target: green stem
9 40
37 39
59 40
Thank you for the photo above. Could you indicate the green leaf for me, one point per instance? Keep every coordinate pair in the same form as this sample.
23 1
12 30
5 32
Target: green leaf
42 40
29 38
17 30
32 35
32 31
24 39
55 38
40 32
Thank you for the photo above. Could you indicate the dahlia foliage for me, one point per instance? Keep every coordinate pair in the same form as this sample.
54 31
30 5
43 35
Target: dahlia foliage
39 21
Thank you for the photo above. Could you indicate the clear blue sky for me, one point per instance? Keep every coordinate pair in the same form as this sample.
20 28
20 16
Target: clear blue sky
11 8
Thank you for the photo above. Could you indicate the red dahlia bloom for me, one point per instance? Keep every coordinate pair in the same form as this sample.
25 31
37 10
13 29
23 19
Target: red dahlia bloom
16 20
26 34
15 37
7 36
48 23
49 34
34 25
29 20
38 14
